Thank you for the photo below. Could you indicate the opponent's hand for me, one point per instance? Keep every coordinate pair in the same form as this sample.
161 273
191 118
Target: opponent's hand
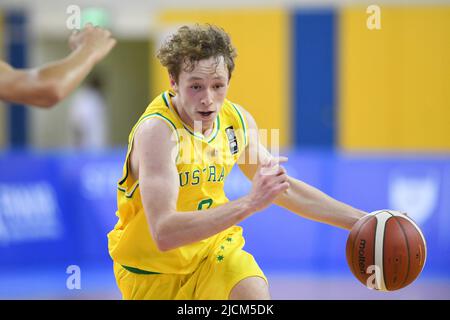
269 181
97 41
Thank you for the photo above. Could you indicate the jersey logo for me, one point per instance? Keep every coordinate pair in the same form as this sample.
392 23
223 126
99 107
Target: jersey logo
232 141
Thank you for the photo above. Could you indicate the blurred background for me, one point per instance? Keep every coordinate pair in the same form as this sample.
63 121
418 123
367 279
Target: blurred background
362 104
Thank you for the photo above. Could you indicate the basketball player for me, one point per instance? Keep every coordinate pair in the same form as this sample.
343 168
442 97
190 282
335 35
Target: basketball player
49 84
176 237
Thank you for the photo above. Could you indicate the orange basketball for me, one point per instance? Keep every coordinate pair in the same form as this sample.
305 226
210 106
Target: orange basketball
386 250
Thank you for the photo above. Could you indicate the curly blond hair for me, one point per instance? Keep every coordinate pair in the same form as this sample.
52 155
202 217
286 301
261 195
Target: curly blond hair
191 44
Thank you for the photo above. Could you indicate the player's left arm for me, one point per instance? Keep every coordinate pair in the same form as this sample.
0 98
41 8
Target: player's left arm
300 197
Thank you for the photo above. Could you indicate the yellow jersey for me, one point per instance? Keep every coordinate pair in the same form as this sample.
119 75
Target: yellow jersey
203 163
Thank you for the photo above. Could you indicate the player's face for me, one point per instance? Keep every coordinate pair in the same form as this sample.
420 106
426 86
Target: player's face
201 92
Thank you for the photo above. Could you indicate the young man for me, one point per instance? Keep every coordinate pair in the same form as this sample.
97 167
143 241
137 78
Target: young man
176 237
46 86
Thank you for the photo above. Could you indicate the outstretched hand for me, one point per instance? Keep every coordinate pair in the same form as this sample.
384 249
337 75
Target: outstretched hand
96 40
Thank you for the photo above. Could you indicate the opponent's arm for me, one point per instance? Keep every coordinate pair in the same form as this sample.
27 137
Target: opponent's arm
153 161
49 84
300 198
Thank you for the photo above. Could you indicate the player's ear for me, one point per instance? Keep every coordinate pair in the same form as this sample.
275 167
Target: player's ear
173 83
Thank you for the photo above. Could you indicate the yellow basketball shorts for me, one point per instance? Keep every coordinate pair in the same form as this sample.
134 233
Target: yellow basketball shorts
213 279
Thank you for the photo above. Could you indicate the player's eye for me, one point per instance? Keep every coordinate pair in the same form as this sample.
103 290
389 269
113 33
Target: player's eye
196 87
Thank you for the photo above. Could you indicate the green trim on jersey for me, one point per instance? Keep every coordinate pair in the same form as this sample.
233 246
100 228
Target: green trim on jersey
129 194
243 123
138 271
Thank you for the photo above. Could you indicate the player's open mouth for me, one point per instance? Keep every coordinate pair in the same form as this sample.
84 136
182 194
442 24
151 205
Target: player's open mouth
206 114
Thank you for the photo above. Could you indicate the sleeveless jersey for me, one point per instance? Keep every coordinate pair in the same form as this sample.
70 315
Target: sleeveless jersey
203 163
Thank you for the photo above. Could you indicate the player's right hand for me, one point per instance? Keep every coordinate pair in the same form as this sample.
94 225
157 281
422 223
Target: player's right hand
97 41
269 181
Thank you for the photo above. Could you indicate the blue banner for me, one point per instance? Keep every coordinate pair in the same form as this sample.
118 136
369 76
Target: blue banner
56 209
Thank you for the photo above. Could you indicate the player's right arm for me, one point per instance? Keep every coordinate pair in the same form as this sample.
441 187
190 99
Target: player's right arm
49 84
153 162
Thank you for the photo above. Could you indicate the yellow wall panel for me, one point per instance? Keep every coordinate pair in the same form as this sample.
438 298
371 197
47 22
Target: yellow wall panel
260 81
394 82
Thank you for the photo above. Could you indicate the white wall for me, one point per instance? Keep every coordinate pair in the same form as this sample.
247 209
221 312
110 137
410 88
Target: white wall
136 18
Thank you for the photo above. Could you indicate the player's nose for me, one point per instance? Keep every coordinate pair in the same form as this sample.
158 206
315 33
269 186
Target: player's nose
207 99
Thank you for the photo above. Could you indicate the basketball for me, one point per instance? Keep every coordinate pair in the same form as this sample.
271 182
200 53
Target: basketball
386 250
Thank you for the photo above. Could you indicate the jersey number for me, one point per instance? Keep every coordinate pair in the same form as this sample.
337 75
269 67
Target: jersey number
203 203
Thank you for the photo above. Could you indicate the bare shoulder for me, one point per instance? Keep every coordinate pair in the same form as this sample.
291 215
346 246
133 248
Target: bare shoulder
153 129
154 145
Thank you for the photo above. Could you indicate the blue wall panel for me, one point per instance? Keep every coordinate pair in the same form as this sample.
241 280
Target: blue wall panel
16 51
313 87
